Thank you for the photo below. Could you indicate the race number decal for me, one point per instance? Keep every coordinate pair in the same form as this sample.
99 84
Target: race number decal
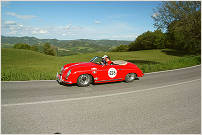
112 72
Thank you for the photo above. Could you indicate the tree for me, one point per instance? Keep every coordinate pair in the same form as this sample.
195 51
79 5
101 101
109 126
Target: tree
48 49
121 48
171 11
182 22
148 40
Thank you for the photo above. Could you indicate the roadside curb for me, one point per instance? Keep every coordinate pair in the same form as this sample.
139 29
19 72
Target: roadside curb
144 73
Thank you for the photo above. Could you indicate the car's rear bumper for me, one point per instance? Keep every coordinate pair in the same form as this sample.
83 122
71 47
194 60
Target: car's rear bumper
60 80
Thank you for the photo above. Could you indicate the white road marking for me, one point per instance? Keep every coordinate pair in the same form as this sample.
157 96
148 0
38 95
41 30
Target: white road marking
173 70
93 97
144 73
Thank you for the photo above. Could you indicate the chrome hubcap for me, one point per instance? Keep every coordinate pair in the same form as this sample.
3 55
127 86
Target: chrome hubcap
131 76
84 79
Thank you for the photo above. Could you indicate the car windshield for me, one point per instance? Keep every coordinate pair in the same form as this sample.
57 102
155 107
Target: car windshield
97 60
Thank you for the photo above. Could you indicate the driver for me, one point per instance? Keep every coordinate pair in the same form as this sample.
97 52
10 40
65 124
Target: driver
106 60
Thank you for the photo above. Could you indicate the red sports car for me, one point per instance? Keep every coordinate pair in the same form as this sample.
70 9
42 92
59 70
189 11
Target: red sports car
95 71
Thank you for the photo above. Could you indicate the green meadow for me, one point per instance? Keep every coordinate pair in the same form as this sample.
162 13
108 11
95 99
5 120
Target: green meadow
19 64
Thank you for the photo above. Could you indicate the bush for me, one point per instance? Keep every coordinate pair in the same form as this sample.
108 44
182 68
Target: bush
21 46
149 40
49 50
121 48
34 48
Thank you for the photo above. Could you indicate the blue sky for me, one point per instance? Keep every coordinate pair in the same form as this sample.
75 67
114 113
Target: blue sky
77 20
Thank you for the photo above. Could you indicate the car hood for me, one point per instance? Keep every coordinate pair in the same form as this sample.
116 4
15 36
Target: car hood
80 64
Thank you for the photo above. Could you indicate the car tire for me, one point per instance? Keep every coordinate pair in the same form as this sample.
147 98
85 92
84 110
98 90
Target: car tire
59 82
130 77
84 80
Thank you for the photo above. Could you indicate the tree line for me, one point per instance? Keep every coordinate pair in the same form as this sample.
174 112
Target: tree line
180 22
46 48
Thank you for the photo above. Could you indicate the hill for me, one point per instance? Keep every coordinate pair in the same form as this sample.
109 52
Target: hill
18 64
66 47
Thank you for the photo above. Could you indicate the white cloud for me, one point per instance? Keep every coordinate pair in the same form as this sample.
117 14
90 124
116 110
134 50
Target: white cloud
20 25
97 22
119 31
10 22
20 16
34 32
12 32
68 26
43 31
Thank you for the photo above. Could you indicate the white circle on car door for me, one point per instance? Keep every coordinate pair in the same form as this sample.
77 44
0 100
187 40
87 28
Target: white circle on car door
112 72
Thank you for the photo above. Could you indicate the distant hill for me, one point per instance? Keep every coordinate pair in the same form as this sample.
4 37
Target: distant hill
66 47
56 42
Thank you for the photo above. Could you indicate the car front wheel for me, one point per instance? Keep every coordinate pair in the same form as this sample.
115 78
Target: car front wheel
84 80
130 77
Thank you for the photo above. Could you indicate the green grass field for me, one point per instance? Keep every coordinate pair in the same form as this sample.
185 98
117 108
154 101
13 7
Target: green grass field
18 64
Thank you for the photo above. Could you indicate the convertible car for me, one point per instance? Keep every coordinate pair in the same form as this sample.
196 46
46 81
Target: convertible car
95 71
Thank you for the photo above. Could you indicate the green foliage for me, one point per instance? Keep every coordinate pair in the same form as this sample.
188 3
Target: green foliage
170 11
21 46
183 36
121 48
49 50
19 64
182 20
148 40
26 46
34 48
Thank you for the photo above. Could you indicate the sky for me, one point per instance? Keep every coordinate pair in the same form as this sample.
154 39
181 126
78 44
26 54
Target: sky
68 20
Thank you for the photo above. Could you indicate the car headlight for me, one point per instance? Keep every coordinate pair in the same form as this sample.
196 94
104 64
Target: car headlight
68 73
61 69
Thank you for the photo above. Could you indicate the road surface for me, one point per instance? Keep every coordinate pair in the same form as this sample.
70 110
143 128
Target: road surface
159 103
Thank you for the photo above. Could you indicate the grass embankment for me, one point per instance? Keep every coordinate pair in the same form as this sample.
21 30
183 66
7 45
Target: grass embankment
28 65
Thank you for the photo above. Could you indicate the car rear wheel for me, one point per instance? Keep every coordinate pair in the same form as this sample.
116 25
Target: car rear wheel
84 80
130 77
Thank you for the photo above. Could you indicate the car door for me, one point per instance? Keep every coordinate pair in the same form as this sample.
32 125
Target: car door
109 73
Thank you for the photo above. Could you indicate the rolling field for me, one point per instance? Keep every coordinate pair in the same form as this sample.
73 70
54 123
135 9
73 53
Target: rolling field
18 64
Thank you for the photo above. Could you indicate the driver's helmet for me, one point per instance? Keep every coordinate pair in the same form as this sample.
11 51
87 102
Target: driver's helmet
105 56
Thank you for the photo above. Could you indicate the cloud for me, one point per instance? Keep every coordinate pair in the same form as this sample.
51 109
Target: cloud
10 23
97 22
12 32
68 26
20 16
20 25
119 31
11 28
43 31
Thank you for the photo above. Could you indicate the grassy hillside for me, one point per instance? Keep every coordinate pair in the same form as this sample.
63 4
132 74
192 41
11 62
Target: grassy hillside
74 46
18 64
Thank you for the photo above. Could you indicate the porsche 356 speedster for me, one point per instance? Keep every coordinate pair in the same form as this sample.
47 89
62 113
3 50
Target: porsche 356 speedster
95 71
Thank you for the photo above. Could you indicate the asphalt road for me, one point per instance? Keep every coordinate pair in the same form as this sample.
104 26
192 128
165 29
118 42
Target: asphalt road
160 103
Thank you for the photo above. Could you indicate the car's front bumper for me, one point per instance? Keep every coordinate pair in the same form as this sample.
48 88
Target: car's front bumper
60 80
